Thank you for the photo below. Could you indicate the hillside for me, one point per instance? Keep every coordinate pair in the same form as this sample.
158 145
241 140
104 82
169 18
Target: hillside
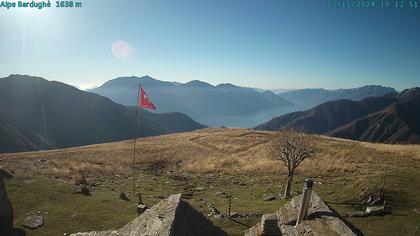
397 123
203 102
201 165
387 119
308 98
329 115
66 116
16 137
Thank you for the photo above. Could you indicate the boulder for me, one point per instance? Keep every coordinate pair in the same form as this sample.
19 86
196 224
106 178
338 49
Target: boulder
171 216
234 215
356 214
375 210
84 189
219 193
320 220
81 181
370 211
141 208
33 221
269 197
124 196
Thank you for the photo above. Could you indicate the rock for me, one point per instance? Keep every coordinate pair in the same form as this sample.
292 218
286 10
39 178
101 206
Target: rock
375 210
370 211
321 220
81 181
199 189
171 216
124 196
356 214
33 221
234 215
269 197
250 214
84 189
74 215
141 208
218 193
29 181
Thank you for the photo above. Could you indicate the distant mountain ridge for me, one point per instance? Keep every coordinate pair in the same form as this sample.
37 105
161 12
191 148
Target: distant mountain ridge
197 99
308 98
399 122
392 118
65 116
329 115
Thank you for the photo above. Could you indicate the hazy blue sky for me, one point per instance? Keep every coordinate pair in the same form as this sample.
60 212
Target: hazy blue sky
261 43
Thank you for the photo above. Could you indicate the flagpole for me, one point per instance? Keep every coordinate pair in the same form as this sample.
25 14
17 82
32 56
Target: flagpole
135 138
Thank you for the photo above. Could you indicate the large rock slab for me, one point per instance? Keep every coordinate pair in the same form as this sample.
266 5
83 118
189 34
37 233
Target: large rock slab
321 220
171 216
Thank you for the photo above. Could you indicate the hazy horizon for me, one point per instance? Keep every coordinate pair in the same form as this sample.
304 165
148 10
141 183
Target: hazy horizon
139 76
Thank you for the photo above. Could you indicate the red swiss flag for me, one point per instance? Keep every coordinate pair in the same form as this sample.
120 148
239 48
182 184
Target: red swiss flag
144 100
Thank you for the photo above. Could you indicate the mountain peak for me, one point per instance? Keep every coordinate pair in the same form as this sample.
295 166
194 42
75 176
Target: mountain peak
226 85
198 83
146 77
130 81
26 77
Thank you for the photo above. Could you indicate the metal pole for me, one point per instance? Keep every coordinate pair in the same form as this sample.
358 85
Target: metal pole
230 205
306 198
135 138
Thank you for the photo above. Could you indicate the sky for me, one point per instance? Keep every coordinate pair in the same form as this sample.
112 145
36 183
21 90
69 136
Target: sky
262 43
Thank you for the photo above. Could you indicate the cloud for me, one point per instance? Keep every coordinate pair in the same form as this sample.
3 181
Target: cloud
122 50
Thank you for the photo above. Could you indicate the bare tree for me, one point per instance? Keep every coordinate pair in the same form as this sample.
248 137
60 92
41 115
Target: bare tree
291 148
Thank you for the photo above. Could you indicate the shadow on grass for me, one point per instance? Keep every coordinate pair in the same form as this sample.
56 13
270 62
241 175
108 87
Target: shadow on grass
18 232
238 222
350 225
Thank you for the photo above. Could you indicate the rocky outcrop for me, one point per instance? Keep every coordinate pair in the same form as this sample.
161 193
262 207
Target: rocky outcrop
6 210
321 220
171 216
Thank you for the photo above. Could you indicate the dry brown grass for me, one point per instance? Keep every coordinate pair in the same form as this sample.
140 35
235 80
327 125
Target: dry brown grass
204 151
344 171
408 150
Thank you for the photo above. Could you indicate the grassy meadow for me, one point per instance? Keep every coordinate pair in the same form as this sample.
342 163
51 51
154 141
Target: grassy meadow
201 163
